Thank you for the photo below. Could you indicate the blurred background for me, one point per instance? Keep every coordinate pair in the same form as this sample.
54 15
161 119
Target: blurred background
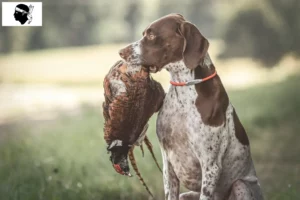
51 94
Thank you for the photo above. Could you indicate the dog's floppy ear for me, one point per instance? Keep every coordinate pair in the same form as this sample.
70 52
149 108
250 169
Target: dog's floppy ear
195 45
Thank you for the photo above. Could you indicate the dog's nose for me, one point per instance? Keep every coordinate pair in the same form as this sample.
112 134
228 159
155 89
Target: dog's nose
121 53
125 53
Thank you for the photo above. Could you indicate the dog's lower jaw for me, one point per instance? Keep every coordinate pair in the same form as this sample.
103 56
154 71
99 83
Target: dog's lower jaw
153 69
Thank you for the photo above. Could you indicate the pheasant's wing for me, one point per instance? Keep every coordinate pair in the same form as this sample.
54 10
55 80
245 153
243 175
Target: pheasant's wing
121 108
114 110
114 105
157 94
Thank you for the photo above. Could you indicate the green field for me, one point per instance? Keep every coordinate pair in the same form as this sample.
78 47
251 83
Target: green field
66 158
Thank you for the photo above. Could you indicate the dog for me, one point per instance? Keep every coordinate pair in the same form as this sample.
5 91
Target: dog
203 143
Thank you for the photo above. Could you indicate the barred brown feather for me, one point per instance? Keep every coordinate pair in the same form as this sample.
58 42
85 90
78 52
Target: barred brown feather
149 145
133 163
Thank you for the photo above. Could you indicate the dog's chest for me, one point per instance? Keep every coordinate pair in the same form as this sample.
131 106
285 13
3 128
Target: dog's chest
181 130
178 128
175 129
179 116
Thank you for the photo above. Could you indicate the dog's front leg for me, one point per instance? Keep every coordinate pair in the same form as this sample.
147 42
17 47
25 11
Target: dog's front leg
171 182
210 176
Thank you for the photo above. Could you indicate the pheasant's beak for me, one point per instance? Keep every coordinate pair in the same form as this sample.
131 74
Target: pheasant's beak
128 174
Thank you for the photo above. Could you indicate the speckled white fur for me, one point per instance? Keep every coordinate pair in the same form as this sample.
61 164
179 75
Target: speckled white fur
207 160
136 48
135 57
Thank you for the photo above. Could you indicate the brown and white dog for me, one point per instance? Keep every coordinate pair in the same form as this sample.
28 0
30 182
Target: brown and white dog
203 143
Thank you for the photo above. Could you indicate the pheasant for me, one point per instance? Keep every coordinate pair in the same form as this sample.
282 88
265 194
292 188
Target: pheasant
131 98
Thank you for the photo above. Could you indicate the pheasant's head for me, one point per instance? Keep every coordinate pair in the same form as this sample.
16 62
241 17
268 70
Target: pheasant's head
119 160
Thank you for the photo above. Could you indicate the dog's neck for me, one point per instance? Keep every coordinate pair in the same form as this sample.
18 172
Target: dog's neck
205 69
209 97
179 72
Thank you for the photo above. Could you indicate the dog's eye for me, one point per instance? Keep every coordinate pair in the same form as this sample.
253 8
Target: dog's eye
151 36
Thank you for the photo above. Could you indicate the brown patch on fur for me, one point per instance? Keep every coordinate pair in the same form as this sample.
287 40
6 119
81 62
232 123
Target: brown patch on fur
212 100
195 45
240 132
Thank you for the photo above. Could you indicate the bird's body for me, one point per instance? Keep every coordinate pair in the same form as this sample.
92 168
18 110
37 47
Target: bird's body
131 98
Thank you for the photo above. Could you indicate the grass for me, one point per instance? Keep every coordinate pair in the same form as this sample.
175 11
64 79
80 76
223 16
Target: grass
66 158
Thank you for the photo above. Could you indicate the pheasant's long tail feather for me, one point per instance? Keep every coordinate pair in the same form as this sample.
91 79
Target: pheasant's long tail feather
142 149
149 145
133 163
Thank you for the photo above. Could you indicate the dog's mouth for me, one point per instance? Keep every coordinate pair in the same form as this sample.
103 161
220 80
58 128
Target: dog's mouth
139 61
153 69
150 68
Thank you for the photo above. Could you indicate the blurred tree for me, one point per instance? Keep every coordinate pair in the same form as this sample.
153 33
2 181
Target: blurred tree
77 23
200 13
65 23
265 30
4 42
132 17
196 11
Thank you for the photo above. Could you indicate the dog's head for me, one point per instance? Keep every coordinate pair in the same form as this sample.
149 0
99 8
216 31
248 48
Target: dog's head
167 40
